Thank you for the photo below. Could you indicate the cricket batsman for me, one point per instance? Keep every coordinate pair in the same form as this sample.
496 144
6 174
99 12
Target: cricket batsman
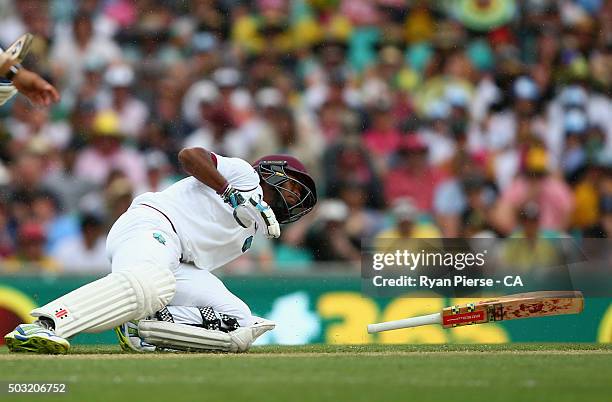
161 291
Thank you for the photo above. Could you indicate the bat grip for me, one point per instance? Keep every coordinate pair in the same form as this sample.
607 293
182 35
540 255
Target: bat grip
435 318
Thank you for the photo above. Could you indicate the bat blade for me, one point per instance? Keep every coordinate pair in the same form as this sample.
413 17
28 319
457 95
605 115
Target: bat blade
19 49
522 305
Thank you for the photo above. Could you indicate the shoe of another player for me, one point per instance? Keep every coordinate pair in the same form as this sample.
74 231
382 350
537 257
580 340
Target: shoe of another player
35 338
129 340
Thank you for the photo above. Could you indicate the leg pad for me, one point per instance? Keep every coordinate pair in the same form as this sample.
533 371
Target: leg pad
110 301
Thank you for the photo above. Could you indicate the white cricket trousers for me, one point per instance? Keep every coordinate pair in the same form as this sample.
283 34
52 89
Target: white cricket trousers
143 234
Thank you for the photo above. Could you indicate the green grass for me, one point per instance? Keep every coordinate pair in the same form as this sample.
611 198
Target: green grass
513 372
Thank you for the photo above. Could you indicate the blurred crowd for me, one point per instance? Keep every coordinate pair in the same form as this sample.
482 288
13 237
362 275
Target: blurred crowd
488 118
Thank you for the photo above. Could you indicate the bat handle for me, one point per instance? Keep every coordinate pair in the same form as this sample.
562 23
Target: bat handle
435 318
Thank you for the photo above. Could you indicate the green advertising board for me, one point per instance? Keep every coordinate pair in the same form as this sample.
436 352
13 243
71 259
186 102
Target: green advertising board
330 309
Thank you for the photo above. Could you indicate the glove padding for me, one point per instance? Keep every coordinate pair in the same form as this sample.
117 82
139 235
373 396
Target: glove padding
255 208
232 196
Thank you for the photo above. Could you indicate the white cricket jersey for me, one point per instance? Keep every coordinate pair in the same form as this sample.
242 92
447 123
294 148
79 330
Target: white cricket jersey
210 236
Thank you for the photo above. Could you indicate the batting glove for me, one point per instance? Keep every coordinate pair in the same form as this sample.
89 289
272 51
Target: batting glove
255 208
232 196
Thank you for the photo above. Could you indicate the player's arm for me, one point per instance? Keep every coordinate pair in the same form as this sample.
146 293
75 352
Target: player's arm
34 87
200 163
30 84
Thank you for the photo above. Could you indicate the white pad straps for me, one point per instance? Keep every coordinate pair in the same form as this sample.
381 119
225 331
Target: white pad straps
103 304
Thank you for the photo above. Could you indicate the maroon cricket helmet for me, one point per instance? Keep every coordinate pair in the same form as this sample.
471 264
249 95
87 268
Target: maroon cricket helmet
288 205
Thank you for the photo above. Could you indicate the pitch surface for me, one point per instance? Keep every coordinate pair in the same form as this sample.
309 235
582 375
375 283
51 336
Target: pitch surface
526 372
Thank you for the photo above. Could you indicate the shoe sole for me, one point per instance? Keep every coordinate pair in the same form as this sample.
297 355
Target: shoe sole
36 344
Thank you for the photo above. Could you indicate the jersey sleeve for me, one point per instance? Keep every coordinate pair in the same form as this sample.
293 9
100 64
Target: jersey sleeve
239 173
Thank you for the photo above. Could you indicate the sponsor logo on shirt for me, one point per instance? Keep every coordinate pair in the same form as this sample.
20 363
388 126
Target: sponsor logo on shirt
247 243
158 236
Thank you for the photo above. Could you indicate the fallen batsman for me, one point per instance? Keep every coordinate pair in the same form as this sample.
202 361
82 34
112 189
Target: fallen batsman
161 291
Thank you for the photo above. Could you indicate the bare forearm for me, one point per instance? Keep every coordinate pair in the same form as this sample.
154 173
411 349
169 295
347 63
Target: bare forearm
198 163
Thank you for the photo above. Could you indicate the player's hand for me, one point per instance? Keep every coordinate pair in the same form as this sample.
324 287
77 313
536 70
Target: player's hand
255 208
246 212
232 196
35 88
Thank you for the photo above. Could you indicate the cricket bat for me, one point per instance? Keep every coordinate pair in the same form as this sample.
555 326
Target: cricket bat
18 50
523 305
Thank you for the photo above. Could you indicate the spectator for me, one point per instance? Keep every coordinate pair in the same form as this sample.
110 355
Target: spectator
46 211
106 153
85 252
91 91
72 49
408 224
383 138
288 138
574 156
118 195
348 161
511 129
413 177
551 195
476 218
30 253
65 184
228 80
362 223
132 112
530 247
328 239
7 245
603 183
27 173
158 172
217 133
437 133
33 124
463 196
198 102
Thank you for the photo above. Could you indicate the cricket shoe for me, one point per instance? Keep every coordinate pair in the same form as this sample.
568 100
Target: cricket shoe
243 337
36 338
129 339
261 326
